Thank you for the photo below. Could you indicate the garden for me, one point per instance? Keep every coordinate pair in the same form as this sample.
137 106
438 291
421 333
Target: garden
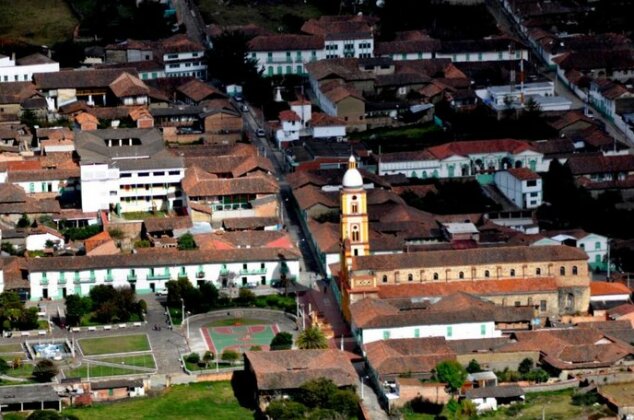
104 305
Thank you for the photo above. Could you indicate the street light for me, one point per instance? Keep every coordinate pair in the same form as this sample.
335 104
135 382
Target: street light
182 311
362 391
187 323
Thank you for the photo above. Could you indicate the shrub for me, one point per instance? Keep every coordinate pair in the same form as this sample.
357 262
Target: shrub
422 405
230 356
4 366
193 358
282 341
452 373
142 243
526 365
589 398
474 366
45 370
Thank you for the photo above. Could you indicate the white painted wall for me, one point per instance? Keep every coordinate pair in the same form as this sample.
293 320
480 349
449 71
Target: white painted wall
285 62
84 280
518 191
329 131
37 242
460 331
358 48
10 72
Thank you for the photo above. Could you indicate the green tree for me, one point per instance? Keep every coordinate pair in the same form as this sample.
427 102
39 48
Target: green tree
344 401
525 366
101 294
24 221
208 357
230 356
452 407
452 373
4 366
312 338
285 410
75 309
473 366
193 358
468 409
186 242
317 393
537 375
282 341
246 297
45 415
45 370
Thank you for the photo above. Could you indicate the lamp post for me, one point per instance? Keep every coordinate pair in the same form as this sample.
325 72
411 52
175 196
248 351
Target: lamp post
187 324
362 390
182 311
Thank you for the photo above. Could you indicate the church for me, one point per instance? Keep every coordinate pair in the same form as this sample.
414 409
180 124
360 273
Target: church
553 279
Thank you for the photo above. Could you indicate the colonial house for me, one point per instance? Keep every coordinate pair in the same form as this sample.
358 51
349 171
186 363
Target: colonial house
611 98
521 186
163 232
147 271
278 374
22 69
466 158
595 245
344 36
126 170
598 167
89 85
285 53
195 91
454 317
14 203
210 198
606 295
16 96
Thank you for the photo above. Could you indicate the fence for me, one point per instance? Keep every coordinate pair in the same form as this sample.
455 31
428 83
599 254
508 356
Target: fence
557 386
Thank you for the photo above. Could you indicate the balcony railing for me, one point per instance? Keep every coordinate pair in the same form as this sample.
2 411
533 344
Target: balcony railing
132 277
61 281
91 279
182 276
253 271
200 274
157 276
109 279
44 282
224 271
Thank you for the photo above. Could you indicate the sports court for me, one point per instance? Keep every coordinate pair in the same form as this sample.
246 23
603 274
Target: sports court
239 338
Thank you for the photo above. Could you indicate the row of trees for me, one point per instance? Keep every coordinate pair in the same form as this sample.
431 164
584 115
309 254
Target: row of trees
106 305
316 399
14 315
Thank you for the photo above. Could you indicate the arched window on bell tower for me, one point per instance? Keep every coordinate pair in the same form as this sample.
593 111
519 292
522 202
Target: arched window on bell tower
355 233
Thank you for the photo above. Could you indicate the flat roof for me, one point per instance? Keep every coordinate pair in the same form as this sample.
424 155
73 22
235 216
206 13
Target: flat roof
27 394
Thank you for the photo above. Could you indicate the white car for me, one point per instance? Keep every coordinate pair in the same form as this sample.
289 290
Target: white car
162 292
260 132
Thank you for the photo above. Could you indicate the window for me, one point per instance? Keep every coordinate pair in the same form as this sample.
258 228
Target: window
384 278
244 266
483 329
512 272
174 172
435 276
575 271
538 271
597 245
143 174
397 277
386 335
461 275
487 274
172 56
449 331
562 271
534 194
410 277
125 175
195 54
531 183
542 305
518 303
161 173
416 332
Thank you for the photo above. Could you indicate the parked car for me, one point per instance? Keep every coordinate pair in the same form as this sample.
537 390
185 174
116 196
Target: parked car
260 132
162 292
244 108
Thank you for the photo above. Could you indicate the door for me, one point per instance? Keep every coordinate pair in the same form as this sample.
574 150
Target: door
133 287
153 287
63 292
244 281
45 293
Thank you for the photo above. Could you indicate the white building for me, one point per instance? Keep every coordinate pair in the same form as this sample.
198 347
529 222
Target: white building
285 54
455 317
344 36
147 272
183 57
521 186
596 246
126 170
39 237
22 69
460 159
504 97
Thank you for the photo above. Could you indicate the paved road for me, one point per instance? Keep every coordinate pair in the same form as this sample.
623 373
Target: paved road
189 15
508 24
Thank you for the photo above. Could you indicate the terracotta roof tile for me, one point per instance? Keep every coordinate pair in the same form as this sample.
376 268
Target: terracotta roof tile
410 355
523 174
602 288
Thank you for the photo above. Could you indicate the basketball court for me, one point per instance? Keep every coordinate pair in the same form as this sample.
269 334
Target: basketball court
239 338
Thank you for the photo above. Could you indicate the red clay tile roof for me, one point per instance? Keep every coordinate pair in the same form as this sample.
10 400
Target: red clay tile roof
198 183
408 355
497 255
523 174
90 78
180 43
464 148
319 119
602 288
198 90
128 85
592 164
159 224
288 115
480 288
290 369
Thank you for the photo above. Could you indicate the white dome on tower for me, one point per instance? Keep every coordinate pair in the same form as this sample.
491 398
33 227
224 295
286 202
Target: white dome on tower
352 178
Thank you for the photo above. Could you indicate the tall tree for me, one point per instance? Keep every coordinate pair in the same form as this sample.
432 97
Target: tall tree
312 338
452 373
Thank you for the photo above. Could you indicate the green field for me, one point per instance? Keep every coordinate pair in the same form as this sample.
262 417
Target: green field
38 22
192 402
271 15
11 348
97 371
23 371
114 344
142 360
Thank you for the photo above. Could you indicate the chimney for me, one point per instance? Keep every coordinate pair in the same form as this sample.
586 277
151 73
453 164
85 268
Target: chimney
13 56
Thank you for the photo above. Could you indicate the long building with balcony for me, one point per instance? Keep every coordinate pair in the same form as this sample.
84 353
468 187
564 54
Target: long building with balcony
148 271
285 54
126 170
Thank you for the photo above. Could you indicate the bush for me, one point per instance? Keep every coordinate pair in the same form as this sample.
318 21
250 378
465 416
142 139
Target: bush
537 375
255 348
526 365
282 341
452 373
142 243
474 366
589 398
75 234
45 370
4 366
193 358
186 242
246 297
285 410
230 356
422 405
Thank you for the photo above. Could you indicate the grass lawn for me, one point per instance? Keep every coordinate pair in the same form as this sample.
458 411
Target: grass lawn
23 371
196 401
401 139
11 348
42 324
114 344
266 14
556 405
38 22
175 313
143 360
229 322
97 370
622 393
